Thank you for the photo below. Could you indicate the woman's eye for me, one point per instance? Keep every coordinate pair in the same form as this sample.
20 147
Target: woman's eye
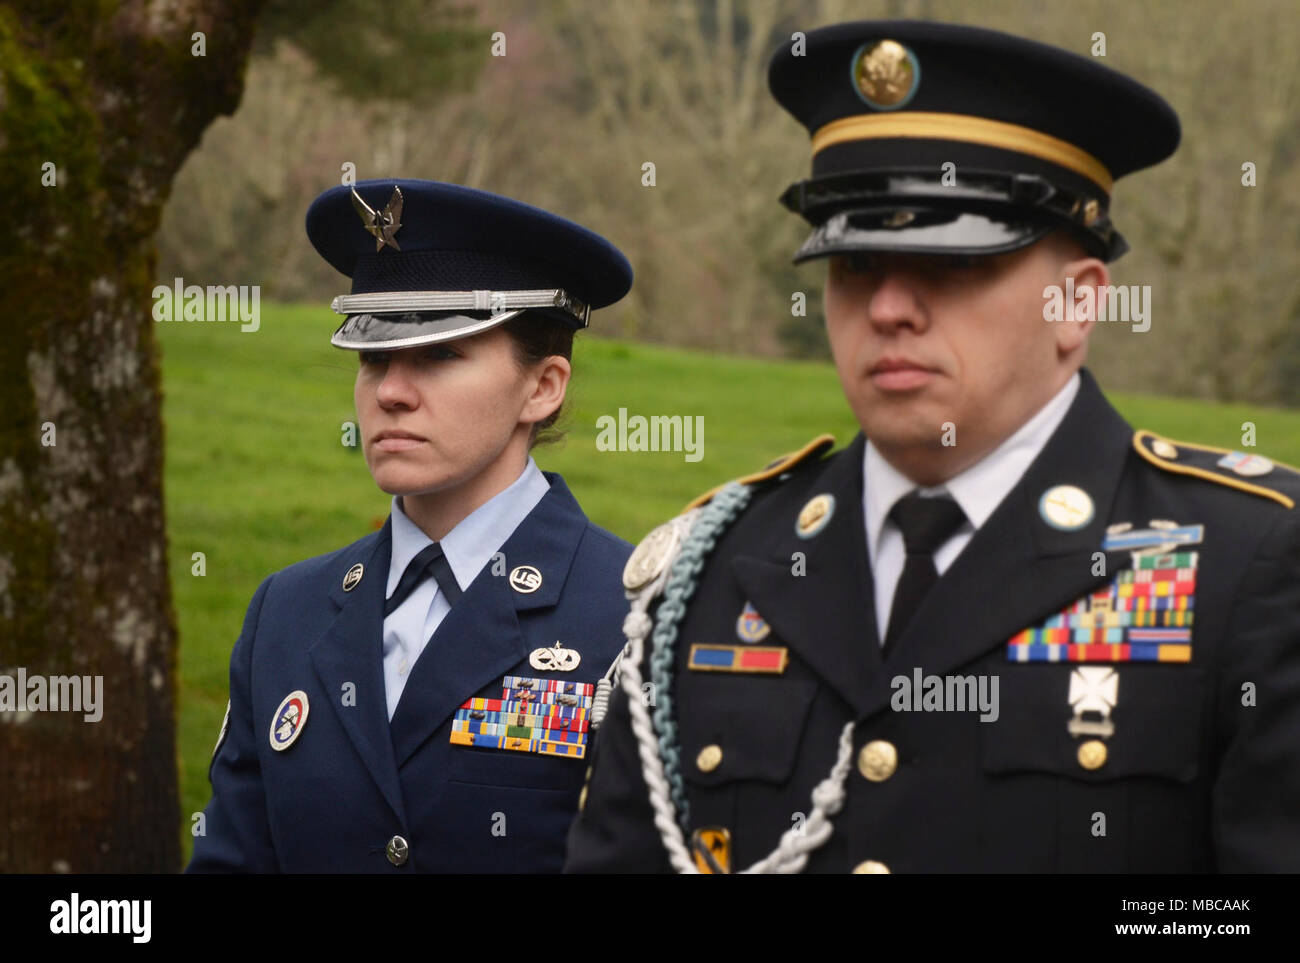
372 357
440 353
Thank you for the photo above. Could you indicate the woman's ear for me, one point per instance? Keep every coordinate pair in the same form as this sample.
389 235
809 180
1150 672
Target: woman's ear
551 376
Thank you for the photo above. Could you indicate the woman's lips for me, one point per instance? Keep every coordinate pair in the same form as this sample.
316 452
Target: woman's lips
397 442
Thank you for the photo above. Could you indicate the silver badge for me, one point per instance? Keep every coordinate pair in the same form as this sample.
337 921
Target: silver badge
382 224
555 659
1093 689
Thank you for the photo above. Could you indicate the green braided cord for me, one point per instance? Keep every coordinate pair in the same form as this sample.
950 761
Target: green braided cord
712 521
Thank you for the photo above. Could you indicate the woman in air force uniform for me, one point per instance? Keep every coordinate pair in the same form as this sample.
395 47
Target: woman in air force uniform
420 700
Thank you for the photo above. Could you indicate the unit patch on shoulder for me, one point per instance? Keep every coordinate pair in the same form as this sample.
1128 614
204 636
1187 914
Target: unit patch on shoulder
811 451
1267 478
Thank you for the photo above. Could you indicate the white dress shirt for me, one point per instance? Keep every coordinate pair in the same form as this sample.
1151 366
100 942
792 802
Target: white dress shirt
978 490
468 547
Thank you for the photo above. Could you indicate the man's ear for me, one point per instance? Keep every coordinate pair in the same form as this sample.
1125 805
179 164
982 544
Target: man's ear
552 376
1090 278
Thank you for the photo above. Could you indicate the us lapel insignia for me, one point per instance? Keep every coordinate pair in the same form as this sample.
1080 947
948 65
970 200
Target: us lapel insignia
770 659
750 626
353 577
525 579
289 719
1144 615
555 659
545 716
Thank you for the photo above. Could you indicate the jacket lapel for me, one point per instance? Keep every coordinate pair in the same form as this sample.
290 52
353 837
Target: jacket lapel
350 652
1017 569
828 614
480 640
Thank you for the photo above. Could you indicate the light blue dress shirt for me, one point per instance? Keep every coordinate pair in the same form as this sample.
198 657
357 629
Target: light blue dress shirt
468 547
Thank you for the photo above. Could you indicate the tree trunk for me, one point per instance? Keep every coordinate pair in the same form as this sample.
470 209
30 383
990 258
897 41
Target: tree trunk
113 96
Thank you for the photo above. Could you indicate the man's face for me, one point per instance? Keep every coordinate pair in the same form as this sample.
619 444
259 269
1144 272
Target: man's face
921 342
436 416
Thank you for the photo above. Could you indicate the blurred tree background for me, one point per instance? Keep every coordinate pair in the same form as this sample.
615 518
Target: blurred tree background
587 93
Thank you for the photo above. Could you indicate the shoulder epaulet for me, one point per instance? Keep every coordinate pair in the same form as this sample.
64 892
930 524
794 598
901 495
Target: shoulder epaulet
813 450
1221 465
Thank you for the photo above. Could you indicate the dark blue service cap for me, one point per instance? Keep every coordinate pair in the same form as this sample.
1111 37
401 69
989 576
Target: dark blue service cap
432 262
935 138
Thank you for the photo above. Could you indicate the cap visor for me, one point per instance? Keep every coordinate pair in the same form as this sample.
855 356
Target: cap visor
920 230
390 332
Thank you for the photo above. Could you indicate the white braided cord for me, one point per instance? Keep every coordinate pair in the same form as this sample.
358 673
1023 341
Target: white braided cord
798 842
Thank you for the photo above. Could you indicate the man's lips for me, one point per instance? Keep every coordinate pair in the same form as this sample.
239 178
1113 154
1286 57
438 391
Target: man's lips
397 440
899 374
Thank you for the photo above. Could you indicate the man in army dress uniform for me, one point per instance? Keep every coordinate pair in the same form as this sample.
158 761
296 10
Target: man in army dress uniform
1001 630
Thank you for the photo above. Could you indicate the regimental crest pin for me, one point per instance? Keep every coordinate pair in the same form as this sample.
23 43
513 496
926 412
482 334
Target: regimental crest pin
815 515
750 626
289 719
382 224
555 659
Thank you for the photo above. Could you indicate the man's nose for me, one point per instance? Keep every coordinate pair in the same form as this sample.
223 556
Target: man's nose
895 302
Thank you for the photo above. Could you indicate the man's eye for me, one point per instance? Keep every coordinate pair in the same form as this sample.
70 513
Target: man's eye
859 263
372 357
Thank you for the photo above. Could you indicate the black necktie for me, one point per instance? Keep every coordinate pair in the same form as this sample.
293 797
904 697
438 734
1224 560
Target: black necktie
430 558
926 523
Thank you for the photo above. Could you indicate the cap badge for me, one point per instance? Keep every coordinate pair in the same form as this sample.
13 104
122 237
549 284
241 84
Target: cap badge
885 74
382 224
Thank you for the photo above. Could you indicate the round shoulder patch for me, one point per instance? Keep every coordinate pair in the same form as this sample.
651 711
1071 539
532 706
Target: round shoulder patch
290 716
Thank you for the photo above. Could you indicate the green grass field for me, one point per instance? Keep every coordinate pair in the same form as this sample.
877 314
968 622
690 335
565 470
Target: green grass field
257 477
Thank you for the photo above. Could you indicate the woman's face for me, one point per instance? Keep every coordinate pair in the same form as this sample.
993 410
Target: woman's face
437 416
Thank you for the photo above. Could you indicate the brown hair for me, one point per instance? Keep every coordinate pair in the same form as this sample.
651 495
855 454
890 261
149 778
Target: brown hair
537 337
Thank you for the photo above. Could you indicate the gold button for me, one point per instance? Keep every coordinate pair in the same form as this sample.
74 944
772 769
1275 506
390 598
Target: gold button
877 760
871 866
1164 449
709 759
1092 754
582 799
